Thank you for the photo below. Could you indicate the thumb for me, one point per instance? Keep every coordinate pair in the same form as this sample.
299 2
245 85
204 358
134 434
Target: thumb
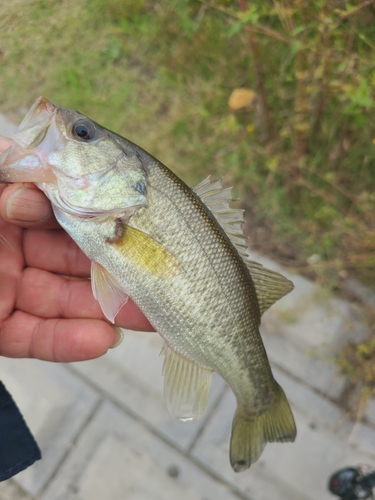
23 204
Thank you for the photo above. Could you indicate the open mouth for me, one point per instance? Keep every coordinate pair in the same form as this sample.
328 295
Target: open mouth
26 158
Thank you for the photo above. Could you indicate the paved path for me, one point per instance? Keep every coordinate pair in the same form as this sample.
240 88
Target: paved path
105 432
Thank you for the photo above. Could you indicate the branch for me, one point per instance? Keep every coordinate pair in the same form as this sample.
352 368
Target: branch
260 75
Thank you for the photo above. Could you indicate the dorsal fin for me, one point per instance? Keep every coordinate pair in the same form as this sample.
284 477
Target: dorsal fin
270 285
217 199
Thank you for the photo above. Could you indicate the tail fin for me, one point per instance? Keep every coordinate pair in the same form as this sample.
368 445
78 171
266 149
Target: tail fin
251 432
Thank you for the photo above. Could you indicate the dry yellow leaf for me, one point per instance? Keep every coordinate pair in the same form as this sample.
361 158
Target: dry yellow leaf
240 98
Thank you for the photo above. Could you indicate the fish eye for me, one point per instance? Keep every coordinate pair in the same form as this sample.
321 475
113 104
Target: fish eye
84 130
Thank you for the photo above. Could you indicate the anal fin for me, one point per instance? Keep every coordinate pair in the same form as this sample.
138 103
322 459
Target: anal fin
107 291
186 385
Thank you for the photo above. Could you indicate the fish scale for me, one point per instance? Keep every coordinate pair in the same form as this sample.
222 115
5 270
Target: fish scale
199 300
178 253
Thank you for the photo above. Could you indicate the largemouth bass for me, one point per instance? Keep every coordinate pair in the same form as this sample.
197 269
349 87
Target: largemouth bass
178 252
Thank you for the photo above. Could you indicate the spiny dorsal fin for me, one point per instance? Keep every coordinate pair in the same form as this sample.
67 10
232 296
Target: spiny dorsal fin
270 286
217 199
186 385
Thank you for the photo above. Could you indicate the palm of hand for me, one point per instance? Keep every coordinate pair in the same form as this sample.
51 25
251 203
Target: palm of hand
47 309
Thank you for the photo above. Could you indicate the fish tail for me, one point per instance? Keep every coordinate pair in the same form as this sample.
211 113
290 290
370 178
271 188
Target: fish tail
251 432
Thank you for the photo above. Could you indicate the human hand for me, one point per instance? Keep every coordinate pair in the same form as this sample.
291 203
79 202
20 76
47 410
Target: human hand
47 309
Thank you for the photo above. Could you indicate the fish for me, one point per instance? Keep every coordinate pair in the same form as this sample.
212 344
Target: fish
178 252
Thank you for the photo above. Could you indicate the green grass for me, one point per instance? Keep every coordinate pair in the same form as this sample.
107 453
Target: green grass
160 73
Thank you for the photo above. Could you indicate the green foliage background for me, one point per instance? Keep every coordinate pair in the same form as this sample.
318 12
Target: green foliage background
302 155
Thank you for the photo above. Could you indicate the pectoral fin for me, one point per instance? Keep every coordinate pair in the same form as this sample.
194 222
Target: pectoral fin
186 385
146 253
107 291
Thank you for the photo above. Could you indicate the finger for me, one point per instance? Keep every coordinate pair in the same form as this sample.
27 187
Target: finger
132 318
23 204
53 296
11 265
56 252
64 340
47 295
5 142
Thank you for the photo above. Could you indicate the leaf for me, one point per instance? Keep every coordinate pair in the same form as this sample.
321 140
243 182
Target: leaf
235 28
295 47
298 30
240 98
251 15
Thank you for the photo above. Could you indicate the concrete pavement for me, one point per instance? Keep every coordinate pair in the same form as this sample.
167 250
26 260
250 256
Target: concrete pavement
105 432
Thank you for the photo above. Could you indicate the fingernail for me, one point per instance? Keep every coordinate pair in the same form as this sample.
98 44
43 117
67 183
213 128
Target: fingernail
27 205
120 336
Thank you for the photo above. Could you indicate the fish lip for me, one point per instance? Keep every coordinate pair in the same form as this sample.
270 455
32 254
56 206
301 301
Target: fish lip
36 123
18 164
41 106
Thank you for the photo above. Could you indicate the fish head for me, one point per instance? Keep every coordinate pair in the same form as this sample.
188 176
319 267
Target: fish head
83 168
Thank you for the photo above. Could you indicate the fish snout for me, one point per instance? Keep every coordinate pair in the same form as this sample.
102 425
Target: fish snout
26 158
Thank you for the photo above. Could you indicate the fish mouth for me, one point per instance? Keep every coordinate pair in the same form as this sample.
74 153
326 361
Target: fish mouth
37 120
26 158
